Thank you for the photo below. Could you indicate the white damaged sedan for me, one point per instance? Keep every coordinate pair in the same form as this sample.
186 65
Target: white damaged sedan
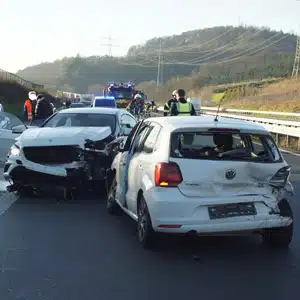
193 175
72 147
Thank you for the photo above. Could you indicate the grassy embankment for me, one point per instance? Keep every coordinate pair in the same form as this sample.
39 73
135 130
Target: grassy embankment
13 96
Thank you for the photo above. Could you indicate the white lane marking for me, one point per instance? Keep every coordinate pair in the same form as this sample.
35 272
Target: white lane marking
3 185
6 201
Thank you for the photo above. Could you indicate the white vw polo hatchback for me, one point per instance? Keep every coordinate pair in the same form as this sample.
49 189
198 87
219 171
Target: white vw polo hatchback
195 175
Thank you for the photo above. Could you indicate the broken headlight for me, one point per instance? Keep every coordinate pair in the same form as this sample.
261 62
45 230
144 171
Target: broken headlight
79 154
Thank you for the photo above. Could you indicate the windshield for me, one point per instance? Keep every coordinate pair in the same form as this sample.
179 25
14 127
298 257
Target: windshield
8 121
105 103
121 93
82 120
224 146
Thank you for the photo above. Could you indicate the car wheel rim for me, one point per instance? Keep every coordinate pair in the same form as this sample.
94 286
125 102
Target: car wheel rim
112 194
142 228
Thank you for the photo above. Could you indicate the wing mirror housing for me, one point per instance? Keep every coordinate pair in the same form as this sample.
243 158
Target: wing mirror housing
19 129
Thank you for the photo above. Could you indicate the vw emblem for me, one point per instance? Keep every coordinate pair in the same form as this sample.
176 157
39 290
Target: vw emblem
230 174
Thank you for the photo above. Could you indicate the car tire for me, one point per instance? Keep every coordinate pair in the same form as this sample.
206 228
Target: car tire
280 237
26 191
145 232
111 204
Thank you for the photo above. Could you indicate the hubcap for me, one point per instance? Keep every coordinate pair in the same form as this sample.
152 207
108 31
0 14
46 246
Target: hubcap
112 194
142 226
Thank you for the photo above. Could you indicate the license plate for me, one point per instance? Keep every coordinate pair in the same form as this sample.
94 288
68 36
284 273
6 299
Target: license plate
232 210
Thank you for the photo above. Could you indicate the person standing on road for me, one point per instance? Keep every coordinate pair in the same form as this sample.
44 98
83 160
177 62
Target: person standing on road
182 107
1 108
43 108
29 106
168 104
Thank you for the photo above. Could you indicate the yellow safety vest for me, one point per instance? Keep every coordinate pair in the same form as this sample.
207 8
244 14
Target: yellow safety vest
184 109
167 109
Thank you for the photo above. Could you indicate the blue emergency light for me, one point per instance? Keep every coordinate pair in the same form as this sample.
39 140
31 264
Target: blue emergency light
105 101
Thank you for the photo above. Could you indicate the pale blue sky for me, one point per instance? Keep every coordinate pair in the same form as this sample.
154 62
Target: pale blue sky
63 28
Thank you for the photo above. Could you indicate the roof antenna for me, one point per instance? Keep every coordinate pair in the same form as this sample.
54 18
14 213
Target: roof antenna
217 114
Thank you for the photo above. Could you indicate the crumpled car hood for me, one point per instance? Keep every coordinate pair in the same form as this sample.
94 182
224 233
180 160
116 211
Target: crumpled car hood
43 136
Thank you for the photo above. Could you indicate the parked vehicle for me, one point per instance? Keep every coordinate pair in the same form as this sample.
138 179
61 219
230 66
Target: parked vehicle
10 128
72 147
195 175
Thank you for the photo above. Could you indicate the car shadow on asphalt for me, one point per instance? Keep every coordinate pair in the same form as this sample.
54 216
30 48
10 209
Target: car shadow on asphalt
201 249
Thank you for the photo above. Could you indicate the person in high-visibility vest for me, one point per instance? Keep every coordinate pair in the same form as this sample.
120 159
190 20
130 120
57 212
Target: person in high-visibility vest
182 107
29 106
167 106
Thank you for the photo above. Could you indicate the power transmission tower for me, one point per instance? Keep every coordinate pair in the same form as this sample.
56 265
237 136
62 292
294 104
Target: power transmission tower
297 59
110 45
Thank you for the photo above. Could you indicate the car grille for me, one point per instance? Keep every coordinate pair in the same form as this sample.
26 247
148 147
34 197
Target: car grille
52 154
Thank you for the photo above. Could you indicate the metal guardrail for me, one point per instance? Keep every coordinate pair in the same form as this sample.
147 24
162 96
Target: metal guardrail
272 114
15 78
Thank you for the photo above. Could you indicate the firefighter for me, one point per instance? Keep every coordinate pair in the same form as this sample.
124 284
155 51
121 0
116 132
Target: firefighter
182 107
168 104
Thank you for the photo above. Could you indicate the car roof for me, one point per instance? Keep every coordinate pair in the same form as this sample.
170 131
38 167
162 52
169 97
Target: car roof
205 121
91 110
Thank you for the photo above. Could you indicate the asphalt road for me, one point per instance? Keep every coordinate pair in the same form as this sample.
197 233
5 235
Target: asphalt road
74 250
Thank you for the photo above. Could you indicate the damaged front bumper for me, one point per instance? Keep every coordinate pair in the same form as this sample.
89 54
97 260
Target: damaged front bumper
45 175
21 172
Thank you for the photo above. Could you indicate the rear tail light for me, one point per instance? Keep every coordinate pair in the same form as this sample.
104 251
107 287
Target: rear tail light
167 174
281 177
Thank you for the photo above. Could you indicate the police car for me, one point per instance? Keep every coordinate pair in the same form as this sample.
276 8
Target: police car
104 101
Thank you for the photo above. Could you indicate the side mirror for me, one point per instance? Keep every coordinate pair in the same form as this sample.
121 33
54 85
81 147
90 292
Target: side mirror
19 129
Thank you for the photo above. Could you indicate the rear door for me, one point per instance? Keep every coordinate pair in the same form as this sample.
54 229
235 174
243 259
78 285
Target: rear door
207 175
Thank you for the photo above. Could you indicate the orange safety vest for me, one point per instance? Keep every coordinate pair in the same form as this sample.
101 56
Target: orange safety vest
28 106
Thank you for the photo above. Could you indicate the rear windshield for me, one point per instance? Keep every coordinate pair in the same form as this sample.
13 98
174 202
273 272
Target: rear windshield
105 103
224 146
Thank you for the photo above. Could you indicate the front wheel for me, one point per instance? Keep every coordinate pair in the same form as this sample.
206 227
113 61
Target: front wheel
280 237
146 234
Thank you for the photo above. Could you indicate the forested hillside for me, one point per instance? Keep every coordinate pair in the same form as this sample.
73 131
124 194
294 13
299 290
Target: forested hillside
220 54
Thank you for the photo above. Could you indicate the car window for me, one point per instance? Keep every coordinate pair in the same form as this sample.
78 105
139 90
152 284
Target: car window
224 146
8 121
82 120
131 136
140 138
151 139
127 119
4 122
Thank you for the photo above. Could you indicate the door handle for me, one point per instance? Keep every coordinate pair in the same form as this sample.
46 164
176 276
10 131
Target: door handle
141 167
